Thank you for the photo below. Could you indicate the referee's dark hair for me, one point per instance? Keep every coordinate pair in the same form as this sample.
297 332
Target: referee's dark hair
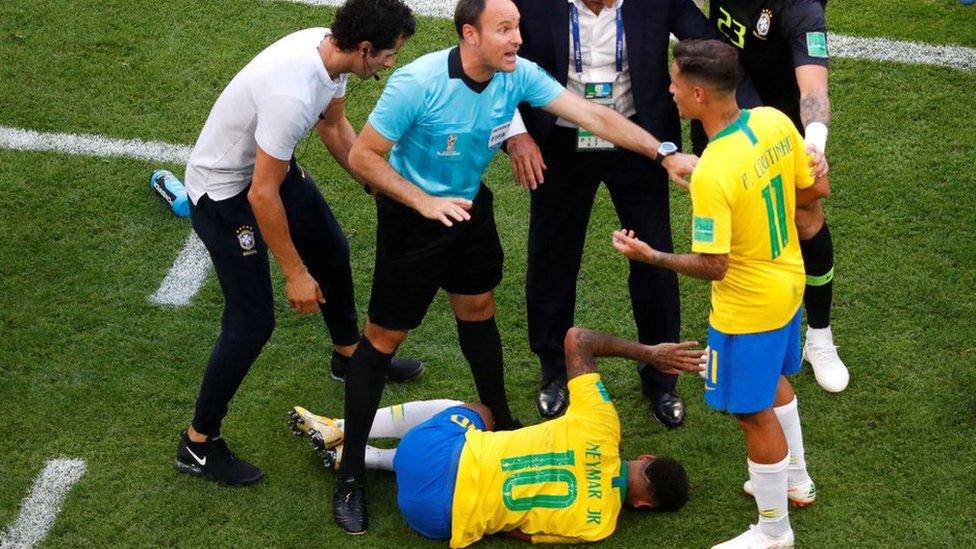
711 62
669 483
467 12
379 22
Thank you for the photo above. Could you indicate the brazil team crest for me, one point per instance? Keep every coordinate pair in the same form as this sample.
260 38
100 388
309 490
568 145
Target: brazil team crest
763 24
245 237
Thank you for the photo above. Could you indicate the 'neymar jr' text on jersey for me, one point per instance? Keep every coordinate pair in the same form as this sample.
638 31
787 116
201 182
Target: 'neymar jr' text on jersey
559 481
743 195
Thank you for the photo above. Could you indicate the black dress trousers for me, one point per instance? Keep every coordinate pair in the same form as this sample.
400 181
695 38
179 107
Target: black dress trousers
560 212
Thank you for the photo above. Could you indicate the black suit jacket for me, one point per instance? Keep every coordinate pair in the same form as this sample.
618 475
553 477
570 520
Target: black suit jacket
648 25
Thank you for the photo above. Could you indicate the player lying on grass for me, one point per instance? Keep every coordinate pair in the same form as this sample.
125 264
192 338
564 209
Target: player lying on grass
560 481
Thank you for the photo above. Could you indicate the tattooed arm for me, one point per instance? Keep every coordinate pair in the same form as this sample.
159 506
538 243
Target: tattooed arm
814 101
583 346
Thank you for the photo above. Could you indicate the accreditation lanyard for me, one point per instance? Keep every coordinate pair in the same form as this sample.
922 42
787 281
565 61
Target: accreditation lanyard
577 50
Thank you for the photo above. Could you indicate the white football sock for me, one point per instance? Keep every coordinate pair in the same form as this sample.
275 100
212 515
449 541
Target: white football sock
769 487
395 421
379 458
818 335
789 418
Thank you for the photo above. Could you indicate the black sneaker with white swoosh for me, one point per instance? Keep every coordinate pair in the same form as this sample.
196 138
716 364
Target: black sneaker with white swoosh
214 461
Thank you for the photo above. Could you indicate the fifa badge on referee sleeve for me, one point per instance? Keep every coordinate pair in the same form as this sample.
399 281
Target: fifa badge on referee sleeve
498 135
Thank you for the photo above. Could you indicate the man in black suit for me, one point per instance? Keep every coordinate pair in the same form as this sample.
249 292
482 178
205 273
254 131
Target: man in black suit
614 52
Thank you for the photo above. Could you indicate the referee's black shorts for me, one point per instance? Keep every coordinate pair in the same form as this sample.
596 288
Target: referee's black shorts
415 256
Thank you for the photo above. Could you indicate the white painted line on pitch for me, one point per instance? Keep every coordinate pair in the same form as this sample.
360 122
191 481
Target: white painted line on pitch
432 8
186 276
900 51
188 273
41 506
856 47
96 145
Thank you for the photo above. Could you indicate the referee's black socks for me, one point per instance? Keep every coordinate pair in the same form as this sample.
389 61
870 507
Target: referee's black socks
482 347
365 378
818 259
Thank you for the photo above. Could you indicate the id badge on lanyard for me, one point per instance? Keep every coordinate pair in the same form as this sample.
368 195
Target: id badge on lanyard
601 92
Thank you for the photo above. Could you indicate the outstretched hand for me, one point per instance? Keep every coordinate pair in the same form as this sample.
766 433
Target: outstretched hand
630 246
676 358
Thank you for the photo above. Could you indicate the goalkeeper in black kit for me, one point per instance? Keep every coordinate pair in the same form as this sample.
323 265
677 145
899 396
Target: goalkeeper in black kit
783 49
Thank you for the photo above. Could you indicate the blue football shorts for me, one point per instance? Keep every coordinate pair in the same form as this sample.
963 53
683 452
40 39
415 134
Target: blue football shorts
426 464
744 369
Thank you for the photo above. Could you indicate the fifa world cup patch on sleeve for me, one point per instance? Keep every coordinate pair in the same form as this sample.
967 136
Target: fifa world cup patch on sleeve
817 44
704 230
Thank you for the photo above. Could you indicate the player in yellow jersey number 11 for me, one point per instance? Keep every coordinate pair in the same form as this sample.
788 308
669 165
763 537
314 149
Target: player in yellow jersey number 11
744 195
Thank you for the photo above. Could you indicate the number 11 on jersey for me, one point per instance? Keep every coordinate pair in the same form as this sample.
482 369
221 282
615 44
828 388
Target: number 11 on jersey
779 234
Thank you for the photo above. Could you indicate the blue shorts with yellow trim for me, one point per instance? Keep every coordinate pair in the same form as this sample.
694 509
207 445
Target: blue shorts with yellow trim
744 369
426 464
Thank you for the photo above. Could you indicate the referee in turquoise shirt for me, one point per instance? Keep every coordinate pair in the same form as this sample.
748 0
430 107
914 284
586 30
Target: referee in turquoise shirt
441 119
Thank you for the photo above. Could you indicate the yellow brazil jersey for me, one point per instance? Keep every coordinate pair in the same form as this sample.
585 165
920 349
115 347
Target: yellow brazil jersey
559 481
743 194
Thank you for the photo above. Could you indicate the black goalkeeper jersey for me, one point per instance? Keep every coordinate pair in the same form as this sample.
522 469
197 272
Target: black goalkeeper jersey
774 37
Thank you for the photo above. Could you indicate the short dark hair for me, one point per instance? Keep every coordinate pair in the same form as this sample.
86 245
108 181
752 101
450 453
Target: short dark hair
668 483
379 22
710 62
467 12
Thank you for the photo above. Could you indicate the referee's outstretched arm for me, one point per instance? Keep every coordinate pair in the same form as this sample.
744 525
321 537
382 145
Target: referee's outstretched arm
615 128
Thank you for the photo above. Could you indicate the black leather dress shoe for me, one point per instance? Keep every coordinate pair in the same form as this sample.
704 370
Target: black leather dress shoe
669 409
401 369
553 399
349 505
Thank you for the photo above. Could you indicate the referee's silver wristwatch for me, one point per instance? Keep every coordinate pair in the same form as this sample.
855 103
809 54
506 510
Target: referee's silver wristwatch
666 149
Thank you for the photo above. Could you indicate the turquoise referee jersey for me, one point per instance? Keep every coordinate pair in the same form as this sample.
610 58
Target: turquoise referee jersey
446 126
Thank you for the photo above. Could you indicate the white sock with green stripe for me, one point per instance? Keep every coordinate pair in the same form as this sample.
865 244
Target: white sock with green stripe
394 421
789 418
769 489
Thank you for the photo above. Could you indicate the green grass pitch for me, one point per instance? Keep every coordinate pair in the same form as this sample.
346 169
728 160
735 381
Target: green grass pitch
90 369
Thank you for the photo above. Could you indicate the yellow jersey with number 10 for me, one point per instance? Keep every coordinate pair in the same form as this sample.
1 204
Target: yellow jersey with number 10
743 194
559 481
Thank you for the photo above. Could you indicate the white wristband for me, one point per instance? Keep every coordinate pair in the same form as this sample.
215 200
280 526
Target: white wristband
816 135
517 126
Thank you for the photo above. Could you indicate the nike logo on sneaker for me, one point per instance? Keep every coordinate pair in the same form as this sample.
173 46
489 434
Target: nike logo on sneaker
202 462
